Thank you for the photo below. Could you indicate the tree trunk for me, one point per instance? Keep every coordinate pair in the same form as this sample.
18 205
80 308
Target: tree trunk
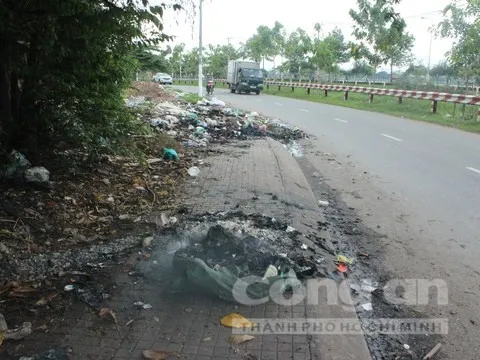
29 126
6 114
391 71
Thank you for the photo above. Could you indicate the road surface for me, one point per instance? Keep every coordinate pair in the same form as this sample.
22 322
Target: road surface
433 173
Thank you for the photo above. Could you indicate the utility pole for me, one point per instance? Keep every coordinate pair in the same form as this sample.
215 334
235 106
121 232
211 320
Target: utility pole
200 51
228 41
429 48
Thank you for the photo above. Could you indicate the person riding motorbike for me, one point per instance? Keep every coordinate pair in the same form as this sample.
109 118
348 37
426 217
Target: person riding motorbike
210 86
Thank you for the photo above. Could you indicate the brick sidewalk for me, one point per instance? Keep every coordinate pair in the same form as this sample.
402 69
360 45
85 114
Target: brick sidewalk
255 177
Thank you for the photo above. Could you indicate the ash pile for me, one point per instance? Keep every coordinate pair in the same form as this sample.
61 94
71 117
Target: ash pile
237 261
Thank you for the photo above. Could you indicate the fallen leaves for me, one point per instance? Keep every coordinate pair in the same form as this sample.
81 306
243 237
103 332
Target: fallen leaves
107 312
44 300
236 321
238 339
89 199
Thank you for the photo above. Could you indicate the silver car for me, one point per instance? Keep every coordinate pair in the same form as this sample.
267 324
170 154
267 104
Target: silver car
162 78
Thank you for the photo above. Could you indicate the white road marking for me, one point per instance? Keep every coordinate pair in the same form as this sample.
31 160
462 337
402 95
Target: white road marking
304 110
473 169
278 104
341 120
392 137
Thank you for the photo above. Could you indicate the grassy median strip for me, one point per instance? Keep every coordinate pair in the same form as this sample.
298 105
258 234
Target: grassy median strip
448 114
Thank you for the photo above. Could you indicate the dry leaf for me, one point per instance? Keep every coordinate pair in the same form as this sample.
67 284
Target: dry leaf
22 291
107 312
236 321
44 300
159 355
238 339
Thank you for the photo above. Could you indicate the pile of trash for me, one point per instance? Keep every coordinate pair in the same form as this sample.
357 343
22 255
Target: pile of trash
218 263
218 256
211 121
19 171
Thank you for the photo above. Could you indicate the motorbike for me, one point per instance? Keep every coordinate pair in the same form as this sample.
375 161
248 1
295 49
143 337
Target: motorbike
210 87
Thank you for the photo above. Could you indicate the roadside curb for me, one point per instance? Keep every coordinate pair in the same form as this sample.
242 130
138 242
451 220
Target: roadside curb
298 191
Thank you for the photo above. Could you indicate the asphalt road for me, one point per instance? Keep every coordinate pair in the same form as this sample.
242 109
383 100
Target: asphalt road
432 176
435 168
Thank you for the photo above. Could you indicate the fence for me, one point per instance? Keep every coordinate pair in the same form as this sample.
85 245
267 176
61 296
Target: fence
434 97
404 81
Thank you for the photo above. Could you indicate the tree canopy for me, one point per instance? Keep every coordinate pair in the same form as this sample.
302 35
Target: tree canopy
64 66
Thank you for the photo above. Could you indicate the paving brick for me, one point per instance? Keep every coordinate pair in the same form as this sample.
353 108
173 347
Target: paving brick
230 181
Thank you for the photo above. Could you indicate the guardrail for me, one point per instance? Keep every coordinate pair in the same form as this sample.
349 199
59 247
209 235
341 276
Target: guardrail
192 81
434 97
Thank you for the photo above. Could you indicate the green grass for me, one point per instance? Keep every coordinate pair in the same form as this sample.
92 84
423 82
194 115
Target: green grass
190 97
448 114
195 83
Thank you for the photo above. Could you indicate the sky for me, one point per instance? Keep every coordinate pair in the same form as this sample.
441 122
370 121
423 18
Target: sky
235 21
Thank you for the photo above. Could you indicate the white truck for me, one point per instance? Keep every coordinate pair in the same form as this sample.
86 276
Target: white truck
244 76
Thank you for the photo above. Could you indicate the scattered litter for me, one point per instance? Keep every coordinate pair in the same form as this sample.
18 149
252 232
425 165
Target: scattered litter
270 272
207 339
342 267
188 310
69 287
19 333
106 312
406 346
290 229
213 263
368 286
159 355
367 307
44 300
170 154
304 247
62 353
129 322
194 171
236 321
294 149
432 352
344 259
142 305
323 203
147 242
91 293
238 339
